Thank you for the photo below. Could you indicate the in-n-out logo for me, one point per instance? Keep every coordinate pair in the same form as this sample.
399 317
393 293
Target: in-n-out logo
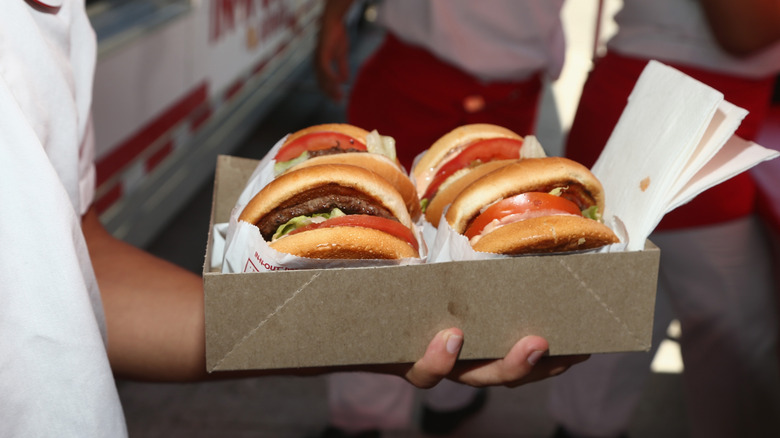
257 264
264 16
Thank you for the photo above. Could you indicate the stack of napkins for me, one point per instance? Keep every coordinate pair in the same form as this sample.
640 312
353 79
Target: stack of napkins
674 140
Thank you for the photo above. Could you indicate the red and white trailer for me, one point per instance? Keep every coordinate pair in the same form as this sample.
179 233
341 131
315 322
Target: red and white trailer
178 82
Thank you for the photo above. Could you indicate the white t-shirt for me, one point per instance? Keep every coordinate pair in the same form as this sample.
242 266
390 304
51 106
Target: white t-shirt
490 39
55 379
677 31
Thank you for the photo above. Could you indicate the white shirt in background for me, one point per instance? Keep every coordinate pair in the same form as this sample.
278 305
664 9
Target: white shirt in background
677 31
504 40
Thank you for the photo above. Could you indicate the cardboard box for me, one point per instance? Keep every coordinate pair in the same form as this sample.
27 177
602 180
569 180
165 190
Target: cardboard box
581 303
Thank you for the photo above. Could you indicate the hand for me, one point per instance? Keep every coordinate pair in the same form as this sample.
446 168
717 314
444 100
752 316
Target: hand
331 55
523 364
743 28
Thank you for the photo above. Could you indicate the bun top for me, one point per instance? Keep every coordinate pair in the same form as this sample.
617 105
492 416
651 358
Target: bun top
425 167
299 181
527 175
343 128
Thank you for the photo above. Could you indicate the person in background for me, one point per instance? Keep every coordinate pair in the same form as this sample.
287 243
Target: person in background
80 306
442 64
715 262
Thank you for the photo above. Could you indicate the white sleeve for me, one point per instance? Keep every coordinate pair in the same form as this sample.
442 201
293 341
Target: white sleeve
55 371
56 374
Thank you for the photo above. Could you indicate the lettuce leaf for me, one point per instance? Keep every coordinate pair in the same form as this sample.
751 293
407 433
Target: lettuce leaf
302 221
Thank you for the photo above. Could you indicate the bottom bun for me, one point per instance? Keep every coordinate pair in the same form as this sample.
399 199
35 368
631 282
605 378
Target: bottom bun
344 243
547 234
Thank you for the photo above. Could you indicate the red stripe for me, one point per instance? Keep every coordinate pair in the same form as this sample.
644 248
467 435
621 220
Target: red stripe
129 150
158 156
234 89
259 67
199 117
108 199
282 47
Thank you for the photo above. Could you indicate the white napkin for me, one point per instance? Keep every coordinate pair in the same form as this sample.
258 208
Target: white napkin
674 140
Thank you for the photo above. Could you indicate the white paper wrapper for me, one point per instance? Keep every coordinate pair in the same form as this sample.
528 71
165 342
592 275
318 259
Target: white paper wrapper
245 250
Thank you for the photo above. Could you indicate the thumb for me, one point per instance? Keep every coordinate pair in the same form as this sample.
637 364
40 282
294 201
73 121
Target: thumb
439 359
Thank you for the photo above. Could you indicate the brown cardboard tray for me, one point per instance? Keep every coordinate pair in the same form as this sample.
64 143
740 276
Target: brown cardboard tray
581 303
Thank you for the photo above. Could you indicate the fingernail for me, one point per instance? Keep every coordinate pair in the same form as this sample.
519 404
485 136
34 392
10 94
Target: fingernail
534 357
453 344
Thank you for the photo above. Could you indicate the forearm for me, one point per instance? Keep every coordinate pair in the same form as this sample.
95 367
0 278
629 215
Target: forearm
331 54
335 10
155 321
154 310
743 27
155 314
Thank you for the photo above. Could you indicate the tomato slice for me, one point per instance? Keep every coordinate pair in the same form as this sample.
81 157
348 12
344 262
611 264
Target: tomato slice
389 226
479 151
316 141
524 205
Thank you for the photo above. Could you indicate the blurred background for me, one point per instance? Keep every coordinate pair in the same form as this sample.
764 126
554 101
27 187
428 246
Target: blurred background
179 82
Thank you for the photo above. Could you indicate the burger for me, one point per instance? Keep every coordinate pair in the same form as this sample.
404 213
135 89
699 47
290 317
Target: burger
333 211
456 152
341 143
535 205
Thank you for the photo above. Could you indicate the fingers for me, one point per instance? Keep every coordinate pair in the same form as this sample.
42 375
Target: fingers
525 363
439 359
514 367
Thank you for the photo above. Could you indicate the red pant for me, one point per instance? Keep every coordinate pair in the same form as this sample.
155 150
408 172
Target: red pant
407 93
603 100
